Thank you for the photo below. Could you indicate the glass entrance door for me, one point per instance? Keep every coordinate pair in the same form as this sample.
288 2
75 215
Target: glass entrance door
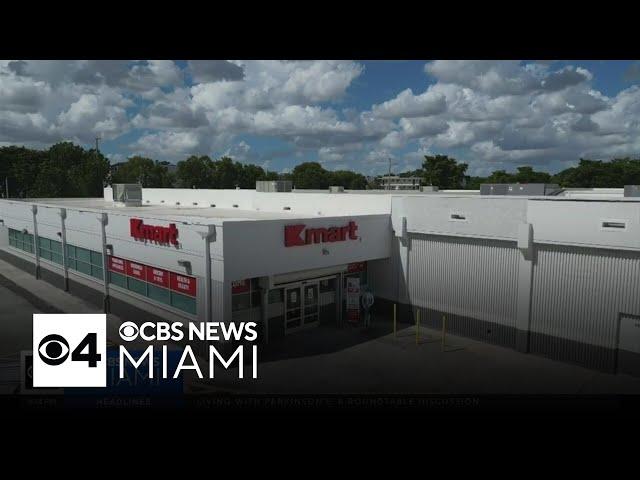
301 307
311 307
292 309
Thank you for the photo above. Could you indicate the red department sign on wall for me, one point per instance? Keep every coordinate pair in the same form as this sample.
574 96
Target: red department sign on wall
356 267
157 276
117 265
136 270
240 286
183 284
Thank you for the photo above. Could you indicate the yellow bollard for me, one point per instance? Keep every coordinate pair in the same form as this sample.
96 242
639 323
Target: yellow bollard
418 327
444 332
395 331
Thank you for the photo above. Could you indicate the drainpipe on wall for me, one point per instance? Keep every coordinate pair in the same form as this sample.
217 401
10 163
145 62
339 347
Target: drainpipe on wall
63 238
208 237
104 220
36 241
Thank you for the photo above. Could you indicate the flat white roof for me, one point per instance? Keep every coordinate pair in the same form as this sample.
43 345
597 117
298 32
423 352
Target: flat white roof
169 211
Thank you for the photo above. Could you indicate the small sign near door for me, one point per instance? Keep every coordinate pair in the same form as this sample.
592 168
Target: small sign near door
353 299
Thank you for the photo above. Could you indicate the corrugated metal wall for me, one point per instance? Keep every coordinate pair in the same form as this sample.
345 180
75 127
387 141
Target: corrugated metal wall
470 280
577 295
473 277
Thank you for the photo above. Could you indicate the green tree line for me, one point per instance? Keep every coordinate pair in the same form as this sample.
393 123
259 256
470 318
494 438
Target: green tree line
68 170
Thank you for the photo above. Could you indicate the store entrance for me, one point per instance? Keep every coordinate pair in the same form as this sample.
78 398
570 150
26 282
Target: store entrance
301 309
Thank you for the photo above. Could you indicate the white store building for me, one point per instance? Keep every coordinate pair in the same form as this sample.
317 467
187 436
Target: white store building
554 275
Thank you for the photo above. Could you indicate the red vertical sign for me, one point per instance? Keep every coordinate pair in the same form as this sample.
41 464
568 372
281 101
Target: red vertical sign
240 286
117 265
183 284
158 276
136 270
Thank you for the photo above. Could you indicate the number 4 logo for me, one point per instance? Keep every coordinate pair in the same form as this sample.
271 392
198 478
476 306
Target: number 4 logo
71 350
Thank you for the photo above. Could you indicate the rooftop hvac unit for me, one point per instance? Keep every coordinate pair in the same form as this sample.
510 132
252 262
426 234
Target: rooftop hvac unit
520 189
273 186
632 190
127 194
428 188
336 189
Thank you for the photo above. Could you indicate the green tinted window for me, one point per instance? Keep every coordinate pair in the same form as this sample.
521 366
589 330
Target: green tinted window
83 254
45 243
71 251
56 247
57 258
83 267
159 294
46 254
118 279
137 286
96 258
96 272
182 302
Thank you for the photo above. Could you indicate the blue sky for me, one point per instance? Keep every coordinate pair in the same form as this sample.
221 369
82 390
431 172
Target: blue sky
344 114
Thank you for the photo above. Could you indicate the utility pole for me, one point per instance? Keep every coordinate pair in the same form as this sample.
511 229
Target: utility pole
97 144
6 182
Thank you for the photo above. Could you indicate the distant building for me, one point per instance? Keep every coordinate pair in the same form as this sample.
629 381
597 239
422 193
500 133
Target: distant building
395 182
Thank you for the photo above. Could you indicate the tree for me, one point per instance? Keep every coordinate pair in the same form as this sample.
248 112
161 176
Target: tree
195 172
598 174
147 172
226 173
310 175
444 172
348 179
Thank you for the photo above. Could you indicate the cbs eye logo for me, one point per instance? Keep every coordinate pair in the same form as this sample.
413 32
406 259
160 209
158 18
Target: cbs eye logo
129 331
69 350
54 350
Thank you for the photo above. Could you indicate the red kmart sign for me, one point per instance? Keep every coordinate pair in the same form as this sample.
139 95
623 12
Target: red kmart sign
142 231
298 235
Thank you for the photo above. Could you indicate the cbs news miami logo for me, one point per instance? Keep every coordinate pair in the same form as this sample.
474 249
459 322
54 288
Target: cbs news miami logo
69 350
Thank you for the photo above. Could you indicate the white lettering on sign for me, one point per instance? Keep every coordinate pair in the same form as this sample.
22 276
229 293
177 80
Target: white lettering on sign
158 275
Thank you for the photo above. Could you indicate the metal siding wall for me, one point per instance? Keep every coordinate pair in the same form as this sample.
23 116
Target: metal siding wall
217 301
467 277
578 294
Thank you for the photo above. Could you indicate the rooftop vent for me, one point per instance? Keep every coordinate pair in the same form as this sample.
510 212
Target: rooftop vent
273 186
632 190
127 194
520 189
336 189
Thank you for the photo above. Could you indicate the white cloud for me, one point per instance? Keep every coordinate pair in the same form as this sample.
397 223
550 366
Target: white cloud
494 112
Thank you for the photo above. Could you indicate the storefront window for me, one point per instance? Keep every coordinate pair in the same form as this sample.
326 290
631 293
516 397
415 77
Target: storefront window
276 295
328 285
245 294
182 302
21 241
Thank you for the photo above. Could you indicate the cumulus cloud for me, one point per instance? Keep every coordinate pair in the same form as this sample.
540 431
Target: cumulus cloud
487 113
204 71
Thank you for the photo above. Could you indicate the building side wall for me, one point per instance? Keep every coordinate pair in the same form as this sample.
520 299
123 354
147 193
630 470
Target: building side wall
578 296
